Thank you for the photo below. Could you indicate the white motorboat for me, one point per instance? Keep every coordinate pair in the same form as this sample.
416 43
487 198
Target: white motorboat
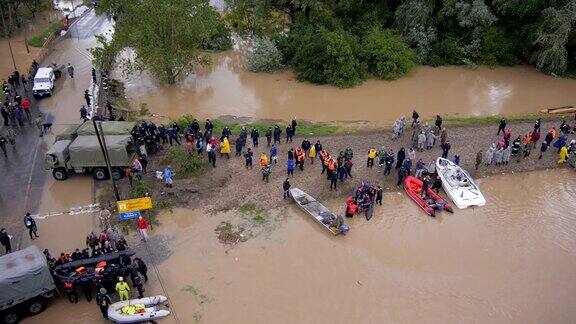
459 185
138 310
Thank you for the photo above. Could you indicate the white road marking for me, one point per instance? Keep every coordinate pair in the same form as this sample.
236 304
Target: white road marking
79 210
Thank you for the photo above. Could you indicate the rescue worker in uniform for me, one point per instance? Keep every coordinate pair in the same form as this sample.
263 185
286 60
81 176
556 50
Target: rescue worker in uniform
122 289
103 301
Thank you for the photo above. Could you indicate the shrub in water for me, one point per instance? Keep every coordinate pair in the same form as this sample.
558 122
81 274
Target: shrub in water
265 56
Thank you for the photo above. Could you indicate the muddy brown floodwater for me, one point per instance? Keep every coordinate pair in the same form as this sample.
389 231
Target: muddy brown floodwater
227 89
509 261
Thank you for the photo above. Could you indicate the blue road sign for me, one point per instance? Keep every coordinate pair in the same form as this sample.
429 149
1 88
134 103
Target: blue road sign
130 215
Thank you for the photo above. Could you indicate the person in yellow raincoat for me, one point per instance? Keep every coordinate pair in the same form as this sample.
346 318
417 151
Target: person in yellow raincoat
563 155
225 147
123 289
263 160
312 154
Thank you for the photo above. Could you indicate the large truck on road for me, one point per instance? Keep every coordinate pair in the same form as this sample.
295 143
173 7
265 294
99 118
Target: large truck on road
26 284
77 150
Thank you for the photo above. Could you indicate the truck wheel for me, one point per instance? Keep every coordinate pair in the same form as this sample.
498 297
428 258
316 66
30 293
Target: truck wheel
36 306
11 317
60 174
117 174
100 174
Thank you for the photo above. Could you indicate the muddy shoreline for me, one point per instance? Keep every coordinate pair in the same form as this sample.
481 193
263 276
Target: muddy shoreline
231 185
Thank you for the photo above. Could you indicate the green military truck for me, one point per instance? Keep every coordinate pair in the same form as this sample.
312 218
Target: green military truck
77 150
26 284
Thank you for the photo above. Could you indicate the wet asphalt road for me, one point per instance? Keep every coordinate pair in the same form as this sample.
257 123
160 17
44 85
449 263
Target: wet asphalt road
22 176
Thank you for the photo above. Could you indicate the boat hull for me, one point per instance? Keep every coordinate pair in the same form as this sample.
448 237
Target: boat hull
413 187
151 312
312 208
465 192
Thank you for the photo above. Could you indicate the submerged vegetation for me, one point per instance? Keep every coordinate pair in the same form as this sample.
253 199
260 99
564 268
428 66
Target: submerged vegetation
166 37
341 42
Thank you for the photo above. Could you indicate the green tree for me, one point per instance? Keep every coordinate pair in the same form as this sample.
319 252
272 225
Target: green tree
414 20
468 20
386 54
553 36
166 36
265 56
497 48
324 56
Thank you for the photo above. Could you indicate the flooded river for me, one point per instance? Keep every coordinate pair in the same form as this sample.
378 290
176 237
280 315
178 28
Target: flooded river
226 88
510 261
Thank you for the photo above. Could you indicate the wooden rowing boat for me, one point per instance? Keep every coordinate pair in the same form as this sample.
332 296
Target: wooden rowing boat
559 110
313 208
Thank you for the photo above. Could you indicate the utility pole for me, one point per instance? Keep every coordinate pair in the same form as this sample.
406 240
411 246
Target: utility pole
102 142
8 38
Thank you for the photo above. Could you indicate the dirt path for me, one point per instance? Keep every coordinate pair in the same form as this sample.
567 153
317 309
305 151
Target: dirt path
230 185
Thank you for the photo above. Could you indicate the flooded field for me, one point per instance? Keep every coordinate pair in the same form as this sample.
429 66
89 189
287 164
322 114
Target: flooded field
226 88
481 265
510 261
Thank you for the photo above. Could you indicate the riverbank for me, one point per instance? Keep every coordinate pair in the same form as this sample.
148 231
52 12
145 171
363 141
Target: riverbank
231 185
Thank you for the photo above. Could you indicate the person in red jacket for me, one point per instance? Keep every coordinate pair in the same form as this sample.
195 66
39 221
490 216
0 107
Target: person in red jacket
26 107
142 225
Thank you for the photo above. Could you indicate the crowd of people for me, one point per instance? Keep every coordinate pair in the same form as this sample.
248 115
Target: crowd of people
338 168
101 265
16 110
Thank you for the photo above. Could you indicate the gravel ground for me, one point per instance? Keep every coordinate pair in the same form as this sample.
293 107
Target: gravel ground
230 185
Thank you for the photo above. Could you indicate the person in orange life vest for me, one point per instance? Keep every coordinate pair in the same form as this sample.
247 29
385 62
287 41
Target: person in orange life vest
300 157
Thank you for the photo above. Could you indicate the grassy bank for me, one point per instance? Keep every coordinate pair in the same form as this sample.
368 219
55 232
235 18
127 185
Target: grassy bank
39 40
306 128
303 128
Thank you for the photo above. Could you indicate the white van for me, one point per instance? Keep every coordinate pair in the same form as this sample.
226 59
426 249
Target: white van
43 82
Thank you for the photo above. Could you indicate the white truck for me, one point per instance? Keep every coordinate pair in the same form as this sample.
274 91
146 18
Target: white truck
44 82
26 284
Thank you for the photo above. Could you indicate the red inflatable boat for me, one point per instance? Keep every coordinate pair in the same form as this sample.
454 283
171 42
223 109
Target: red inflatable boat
431 203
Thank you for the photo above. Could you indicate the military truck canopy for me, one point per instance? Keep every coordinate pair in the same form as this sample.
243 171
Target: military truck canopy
24 274
58 153
108 127
85 151
69 133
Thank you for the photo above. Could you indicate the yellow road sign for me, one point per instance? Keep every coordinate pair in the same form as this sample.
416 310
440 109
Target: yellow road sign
125 206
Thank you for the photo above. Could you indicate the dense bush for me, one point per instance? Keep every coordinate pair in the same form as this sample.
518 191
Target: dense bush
497 49
492 32
386 54
183 164
220 40
265 56
327 57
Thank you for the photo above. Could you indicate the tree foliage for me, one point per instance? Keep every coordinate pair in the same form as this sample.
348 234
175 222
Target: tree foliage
324 56
387 55
553 36
265 57
16 12
166 36
440 32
